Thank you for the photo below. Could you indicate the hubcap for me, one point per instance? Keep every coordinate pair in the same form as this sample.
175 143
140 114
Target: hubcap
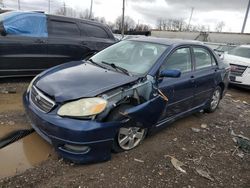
129 138
215 99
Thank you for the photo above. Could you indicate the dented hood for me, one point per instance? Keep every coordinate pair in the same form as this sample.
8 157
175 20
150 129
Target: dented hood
76 80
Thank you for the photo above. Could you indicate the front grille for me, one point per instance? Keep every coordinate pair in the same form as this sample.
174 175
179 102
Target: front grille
237 70
41 101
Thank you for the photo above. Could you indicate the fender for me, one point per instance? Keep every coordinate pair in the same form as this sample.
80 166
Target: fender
147 113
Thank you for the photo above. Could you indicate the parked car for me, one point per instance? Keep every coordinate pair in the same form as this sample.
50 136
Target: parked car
31 42
239 60
224 48
110 102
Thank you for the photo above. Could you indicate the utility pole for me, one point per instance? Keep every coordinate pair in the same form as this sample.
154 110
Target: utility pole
245 19
91 9
19 6
48 6
192 10
123 12
1 4
64 8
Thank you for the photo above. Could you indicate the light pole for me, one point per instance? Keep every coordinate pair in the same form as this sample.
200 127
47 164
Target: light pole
192 10
245 19
90 11
123 12
19 6
48 6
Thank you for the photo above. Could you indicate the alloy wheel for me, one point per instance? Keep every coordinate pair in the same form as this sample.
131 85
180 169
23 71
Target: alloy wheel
215 99
130 137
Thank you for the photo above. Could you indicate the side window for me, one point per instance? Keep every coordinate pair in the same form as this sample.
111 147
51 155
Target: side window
179 60
26 24
61 28
94 31
203 58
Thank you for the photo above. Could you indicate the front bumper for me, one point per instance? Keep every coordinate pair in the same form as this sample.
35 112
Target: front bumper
97 136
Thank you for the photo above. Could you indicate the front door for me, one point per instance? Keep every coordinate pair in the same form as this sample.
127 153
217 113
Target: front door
22 55
180 91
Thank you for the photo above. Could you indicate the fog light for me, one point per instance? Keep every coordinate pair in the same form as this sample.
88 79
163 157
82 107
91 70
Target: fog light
77 148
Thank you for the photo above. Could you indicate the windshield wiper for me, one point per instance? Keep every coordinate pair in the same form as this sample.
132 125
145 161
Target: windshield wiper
125 71
97 64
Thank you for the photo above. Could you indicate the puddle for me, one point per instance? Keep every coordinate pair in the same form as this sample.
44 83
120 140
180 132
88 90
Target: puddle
5 130
23 154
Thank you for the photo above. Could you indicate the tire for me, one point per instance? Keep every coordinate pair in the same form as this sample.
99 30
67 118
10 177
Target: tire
128 137
214 100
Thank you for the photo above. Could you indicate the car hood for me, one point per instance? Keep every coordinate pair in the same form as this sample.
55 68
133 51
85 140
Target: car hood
79 79
232 59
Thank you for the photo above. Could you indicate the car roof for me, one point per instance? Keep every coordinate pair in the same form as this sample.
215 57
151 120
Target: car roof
66 18
165 41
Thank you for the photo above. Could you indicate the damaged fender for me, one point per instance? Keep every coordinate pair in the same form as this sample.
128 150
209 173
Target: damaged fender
147 113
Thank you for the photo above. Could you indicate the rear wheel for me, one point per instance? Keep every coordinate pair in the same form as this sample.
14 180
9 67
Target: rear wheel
129 136
215 100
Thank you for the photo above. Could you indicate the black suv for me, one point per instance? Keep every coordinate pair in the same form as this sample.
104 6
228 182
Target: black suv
31 42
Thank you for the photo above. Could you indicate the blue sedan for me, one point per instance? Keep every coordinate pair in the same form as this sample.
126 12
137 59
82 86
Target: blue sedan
110 102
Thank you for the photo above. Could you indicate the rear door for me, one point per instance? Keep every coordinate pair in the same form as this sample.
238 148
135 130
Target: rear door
180 91
205 70
64 42
23 51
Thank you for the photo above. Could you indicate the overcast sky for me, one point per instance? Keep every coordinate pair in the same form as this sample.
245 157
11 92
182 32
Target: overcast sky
206 12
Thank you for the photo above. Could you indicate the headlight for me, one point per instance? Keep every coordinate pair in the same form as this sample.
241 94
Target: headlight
83 107
31 84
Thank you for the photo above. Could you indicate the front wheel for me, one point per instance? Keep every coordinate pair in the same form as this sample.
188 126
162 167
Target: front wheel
128 136
214 100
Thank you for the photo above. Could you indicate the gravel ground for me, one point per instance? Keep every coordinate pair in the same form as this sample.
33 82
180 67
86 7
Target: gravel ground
202 142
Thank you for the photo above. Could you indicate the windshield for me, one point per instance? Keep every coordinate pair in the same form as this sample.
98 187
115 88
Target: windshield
134 56
240 51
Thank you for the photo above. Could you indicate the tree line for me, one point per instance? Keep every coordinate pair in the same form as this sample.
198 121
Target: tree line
182 25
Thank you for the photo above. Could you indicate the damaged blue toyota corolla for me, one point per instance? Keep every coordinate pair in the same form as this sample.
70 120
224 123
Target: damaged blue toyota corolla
86 109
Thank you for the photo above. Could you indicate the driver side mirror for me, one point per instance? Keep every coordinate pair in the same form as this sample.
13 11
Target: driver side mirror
170 73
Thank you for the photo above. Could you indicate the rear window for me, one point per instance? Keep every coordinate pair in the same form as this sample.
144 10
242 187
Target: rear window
240 51
203 58
60 28
94 31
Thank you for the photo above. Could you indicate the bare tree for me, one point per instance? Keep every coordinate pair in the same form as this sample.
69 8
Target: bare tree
159 24
84 14
100 19
129 23
111 25
219 27
142 27
171 24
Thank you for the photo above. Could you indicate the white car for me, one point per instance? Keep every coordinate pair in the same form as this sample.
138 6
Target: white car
239 60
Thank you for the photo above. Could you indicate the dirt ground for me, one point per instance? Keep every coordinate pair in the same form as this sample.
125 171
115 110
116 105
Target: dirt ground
202 142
